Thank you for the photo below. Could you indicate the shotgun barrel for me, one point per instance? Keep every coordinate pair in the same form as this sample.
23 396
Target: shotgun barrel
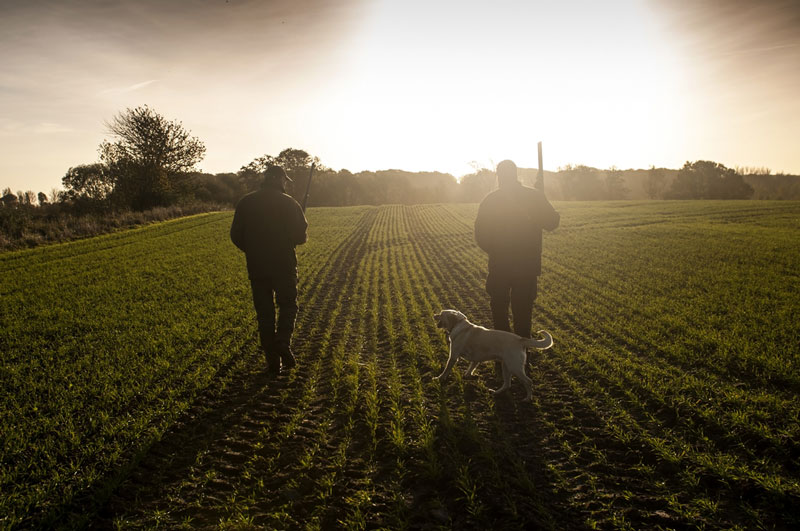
308 185
540 177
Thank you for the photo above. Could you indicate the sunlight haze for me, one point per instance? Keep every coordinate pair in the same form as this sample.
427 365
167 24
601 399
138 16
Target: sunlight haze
434 86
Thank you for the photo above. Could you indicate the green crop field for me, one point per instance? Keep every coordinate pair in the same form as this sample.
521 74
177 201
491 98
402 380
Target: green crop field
134 395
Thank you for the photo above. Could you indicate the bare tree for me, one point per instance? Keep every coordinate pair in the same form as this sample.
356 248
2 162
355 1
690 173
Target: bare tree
151 158
56 195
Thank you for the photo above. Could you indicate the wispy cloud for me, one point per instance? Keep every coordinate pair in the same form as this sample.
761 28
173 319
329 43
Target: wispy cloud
125 90
761 50
45 128
10 127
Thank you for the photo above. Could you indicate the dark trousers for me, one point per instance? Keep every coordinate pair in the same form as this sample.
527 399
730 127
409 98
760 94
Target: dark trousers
269 291
518 289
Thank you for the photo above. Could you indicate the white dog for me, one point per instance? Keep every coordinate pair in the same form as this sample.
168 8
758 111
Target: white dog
476 344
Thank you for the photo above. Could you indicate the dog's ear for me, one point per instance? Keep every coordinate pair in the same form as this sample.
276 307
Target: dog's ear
438 318
449 319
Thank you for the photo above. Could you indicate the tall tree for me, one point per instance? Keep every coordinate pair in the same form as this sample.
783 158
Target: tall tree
56 196
8 198
704 179
655 183
296 163
615 184
474 186
581 183
88 182
150 159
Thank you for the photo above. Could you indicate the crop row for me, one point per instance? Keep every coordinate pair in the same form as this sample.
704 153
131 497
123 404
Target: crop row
104 343
668 400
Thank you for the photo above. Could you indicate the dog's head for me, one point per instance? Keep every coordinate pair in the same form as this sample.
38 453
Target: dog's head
448 319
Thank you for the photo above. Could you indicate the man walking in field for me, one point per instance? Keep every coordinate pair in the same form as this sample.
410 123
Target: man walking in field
509 228
267 226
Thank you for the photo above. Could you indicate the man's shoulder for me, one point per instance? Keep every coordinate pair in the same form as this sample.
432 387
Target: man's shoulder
501 195
246 200
267 195
288 201
529 190
288 198
492 197
529 194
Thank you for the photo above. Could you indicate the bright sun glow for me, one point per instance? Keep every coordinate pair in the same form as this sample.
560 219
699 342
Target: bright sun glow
407 84
444 86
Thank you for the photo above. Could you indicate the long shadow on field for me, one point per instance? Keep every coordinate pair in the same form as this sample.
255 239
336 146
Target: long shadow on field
191 476
206 431
744 501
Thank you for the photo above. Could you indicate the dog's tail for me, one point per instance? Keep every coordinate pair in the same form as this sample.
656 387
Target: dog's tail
541 344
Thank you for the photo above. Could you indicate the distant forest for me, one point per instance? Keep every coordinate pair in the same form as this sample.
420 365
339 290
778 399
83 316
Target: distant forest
149 173
696 180
344 188
29 219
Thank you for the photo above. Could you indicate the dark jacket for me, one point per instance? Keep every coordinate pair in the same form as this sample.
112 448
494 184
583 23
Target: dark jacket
509 228
267 226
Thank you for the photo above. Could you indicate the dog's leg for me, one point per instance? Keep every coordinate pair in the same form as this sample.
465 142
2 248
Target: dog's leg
518 370
528 386
451 361
470 369
527 382
506 379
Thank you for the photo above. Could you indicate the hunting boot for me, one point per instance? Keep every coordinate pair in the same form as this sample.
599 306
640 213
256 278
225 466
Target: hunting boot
273 363
286 355
272 354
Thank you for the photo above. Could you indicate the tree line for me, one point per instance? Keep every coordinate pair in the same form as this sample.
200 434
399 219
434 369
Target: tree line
149 167
90 187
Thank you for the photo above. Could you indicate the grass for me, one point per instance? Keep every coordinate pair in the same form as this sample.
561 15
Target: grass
135 395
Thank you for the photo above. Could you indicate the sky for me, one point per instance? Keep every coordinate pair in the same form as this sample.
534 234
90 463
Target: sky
406 84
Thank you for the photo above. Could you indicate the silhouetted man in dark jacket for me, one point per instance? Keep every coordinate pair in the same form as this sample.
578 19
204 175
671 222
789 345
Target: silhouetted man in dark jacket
267 226
509 228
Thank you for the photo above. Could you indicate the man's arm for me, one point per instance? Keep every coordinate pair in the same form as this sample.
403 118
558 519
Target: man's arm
552 218
298 227
237 228
548 217
482 230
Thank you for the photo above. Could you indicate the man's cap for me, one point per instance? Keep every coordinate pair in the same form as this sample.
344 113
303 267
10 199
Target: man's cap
273 173
506 171
507 167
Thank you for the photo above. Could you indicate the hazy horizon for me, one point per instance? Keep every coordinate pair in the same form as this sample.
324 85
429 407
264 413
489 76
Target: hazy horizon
375 85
